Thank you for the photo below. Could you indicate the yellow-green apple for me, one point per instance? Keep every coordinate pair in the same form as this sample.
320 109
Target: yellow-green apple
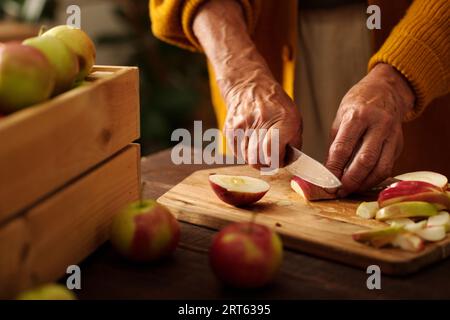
414 191
145 231
434 178
63 60
238 190
80 43
26 77
309 191
407 210
51 291
246 255
367 210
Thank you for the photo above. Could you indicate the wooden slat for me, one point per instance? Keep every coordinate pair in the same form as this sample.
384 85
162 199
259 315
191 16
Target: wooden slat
37 246
43 147
321 228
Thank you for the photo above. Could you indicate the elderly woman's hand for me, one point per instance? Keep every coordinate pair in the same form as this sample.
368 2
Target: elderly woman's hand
261 111
258 107
366 136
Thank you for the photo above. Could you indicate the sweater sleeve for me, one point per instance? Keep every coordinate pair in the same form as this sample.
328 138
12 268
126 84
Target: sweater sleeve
172 20
419 48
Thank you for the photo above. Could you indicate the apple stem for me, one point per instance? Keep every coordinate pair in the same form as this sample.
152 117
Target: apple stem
141 194
42 29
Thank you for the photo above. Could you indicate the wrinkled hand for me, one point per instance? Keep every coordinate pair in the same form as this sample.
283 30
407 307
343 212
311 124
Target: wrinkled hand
256 101
367 133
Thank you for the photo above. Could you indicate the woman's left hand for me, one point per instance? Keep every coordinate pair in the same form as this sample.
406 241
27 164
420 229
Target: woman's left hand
366 136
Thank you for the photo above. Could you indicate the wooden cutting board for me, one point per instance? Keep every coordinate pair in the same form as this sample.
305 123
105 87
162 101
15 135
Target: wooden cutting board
320 228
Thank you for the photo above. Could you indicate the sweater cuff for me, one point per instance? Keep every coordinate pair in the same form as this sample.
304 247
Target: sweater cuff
191 7
418 64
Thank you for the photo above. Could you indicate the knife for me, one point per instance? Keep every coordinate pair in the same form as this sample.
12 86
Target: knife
308 169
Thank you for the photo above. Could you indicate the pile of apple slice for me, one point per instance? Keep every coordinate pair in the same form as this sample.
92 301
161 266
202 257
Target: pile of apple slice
415 209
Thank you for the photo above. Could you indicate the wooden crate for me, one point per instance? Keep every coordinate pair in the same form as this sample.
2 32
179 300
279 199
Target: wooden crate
45 146
66 167
39 244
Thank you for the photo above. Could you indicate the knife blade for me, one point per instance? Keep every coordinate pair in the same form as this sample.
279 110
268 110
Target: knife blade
302 165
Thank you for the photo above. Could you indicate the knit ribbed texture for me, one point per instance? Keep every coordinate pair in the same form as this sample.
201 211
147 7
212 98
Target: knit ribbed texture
172 20
419 48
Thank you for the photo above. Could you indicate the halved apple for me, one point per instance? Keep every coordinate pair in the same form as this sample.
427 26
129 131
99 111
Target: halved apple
434 178
408 242
238 190
367 210
309 191
414 191
378 237
407 210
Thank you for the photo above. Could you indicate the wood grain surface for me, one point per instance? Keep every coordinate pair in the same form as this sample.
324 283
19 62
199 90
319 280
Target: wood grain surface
37 246
187 274
45 146
322 228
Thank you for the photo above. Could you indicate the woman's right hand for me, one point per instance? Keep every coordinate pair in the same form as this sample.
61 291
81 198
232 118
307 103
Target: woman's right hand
258 108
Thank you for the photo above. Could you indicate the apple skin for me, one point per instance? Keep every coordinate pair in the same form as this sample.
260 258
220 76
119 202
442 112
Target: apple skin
407 210
413 191
63 60
51 291
26 77
246 255
237 199
145 231
80 43
310 191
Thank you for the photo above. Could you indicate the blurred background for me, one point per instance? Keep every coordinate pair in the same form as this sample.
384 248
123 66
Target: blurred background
174 82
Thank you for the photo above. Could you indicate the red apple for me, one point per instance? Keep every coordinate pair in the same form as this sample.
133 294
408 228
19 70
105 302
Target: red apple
413 191
238 190
26 77
145 231
246 255
309 191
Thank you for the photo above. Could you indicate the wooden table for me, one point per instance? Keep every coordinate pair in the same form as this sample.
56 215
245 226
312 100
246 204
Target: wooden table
187 274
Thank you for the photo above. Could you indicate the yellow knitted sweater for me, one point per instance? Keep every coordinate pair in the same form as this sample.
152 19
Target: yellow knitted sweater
419 46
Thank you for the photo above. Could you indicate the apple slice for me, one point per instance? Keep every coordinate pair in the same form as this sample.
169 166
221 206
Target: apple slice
412 191
408 242
399 222
378 237
238 190
406 210
309 191
367 210
432 233
413 227
426 176
442 219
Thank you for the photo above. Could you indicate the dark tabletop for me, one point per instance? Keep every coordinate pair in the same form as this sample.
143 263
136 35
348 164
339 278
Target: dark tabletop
187 274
